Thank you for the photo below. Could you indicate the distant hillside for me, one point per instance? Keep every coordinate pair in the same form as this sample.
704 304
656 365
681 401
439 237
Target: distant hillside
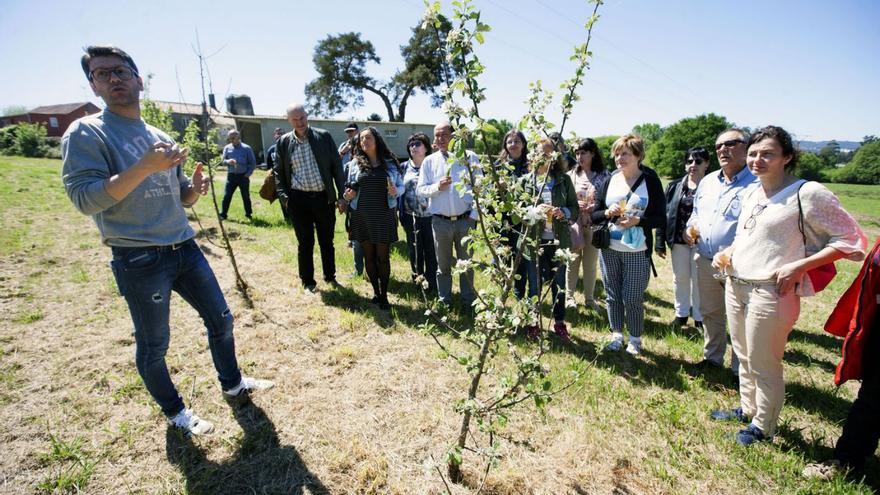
815 146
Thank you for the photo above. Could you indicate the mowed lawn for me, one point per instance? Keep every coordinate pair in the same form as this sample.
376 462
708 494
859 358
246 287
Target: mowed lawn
364 402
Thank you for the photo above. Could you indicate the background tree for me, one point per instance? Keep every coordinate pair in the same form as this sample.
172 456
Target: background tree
604 143
341 62
651 132
830 154
869 139
666 156
374 117
864 167
158 118
494 133
810 166
13 110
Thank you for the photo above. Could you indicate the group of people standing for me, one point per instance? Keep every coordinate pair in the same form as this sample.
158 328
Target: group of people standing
747 241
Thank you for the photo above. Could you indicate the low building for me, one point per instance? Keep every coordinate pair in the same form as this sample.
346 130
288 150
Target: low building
257 130
56 118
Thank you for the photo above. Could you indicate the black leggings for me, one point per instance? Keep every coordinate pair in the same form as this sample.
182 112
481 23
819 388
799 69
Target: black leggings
377 263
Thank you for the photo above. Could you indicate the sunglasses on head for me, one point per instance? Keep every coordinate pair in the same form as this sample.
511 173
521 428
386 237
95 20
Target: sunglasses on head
730 143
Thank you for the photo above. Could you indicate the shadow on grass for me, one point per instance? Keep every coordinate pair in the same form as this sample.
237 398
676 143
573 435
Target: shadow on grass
401 293
824 402
824 340
800 358
259 465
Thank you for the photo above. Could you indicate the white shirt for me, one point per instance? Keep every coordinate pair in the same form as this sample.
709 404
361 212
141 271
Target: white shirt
450 202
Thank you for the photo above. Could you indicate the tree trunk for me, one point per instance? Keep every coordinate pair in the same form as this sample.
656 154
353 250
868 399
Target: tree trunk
401 107
388 107
453 469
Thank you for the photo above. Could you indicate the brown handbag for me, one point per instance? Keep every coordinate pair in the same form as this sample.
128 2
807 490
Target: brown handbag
267 191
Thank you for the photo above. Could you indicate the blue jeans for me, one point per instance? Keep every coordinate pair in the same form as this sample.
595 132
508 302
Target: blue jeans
420 243
357 253
146 277
553 271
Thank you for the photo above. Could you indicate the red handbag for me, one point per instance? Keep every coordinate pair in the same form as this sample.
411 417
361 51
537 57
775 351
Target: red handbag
820 276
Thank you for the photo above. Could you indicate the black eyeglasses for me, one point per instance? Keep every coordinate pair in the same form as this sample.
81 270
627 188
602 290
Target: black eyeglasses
121 72
752 220
416 144
691 160
730 143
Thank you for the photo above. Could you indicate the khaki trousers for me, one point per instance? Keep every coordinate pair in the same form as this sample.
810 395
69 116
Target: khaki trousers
586 261
714 315
760 321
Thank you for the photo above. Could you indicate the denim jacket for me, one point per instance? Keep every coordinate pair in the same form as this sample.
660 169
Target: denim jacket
353 170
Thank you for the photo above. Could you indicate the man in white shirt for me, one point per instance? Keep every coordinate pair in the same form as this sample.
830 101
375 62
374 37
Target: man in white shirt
452 209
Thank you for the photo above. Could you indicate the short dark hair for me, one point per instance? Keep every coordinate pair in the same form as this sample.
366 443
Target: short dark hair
105 51
697 153
783 138
422 138
589 144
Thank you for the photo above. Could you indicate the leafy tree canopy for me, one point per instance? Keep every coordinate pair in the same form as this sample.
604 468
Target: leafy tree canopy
666 155
651 132
341 62
864 167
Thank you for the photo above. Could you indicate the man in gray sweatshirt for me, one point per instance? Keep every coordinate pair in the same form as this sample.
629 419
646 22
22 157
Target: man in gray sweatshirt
129 177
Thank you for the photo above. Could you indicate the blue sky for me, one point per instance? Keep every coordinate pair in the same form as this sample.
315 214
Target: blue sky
804 65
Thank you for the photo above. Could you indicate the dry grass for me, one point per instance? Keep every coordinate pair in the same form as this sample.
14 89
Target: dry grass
363 402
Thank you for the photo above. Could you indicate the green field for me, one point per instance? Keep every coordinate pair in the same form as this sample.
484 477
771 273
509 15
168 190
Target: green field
364 401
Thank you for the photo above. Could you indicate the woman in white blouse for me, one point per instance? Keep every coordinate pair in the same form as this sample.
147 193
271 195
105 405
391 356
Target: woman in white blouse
767 269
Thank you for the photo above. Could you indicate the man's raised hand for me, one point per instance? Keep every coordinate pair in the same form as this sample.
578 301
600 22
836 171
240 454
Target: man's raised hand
200 183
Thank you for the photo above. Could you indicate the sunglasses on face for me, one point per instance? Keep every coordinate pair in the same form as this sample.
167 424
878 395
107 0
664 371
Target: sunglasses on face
729 143
695 162
122 73
416 144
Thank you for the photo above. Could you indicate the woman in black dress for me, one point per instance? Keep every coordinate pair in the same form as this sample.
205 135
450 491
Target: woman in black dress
372 189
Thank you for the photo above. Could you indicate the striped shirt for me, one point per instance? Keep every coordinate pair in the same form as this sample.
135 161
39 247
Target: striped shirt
304 172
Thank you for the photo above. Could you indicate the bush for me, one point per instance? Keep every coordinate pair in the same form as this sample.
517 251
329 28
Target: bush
864 167
666 156
24 139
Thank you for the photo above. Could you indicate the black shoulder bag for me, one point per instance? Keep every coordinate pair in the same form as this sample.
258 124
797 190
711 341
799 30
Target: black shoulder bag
601 234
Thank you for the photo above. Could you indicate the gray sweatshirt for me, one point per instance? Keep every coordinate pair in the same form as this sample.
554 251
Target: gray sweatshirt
98 146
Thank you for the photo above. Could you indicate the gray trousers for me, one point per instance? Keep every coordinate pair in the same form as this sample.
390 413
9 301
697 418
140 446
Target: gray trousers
712 308
449 234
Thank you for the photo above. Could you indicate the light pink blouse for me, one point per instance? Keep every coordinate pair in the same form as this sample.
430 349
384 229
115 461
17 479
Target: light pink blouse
768 237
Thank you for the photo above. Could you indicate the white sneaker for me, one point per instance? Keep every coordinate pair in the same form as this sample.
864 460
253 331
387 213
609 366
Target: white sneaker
616 344
248 385
191 424
634 347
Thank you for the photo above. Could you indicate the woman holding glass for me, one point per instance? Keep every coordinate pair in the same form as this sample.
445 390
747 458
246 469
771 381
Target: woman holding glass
588 176
372 190
787 228
679 206
632 202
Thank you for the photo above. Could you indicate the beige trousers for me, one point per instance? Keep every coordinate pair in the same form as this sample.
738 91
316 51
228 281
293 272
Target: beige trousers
713 313
760 322
585 261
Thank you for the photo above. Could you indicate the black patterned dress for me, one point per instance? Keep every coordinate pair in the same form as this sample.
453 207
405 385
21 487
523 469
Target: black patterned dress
373 221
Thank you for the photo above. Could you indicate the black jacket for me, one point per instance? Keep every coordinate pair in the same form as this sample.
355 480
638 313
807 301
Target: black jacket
666 232
655 213
329 164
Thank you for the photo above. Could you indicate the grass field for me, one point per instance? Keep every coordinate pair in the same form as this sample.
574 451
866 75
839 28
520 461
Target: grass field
364 401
